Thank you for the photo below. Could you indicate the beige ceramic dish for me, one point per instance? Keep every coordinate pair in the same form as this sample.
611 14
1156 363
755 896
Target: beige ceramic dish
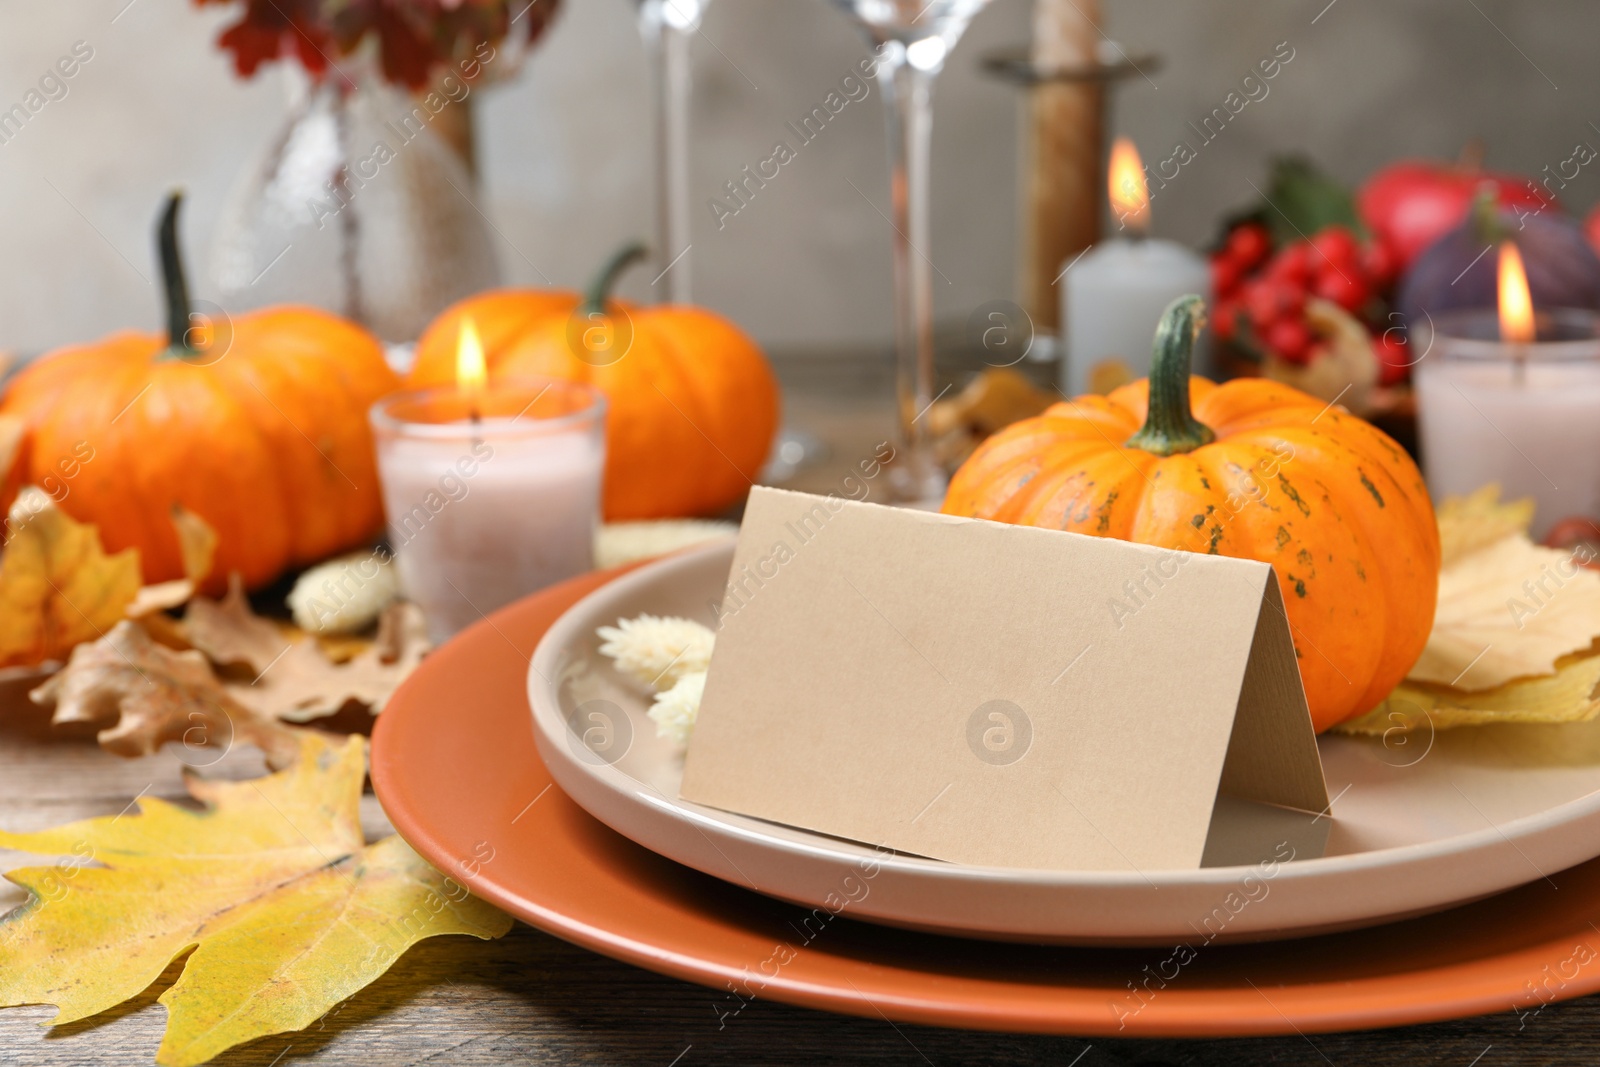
1418 825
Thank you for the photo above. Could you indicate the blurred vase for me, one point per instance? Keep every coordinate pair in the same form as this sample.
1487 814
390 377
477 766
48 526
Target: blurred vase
358 205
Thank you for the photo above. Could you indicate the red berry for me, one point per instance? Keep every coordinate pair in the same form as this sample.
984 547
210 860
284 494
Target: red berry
1225 275
1248 244
1225 319
1347 290
1266 300
1394 357
1290 339
1380 263
1293 264
1336 245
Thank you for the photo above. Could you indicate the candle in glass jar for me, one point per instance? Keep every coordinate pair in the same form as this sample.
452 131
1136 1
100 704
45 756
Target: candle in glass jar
1513 397
491 491
1113 297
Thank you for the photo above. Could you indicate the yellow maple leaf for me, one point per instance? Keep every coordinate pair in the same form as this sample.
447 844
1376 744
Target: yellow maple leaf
58 587
1509 611
286 910
1478 520
1568 695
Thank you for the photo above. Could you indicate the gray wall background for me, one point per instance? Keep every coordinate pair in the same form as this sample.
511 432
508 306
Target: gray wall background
565 148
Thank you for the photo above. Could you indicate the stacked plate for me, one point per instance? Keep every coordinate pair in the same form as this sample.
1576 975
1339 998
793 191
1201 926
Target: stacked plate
1418 825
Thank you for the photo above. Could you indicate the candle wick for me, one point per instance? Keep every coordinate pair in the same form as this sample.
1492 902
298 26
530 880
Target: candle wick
476 420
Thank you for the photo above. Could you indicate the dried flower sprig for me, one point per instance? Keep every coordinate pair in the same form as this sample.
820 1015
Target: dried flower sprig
667 654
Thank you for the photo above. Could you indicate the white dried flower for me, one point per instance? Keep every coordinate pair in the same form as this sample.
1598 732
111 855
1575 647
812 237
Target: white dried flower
657 651
345 594
617 543
674 711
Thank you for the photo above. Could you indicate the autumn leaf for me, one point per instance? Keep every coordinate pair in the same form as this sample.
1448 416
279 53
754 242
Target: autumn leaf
293 678
197 544
1508 611
231 634
1568 695
1478 520
1515 633
151 695
285 908
58 587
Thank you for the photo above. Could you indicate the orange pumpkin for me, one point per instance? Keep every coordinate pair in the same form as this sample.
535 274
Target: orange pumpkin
692 404
1254 470
258 426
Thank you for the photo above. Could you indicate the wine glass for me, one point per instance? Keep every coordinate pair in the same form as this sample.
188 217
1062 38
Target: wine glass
667 26
912 39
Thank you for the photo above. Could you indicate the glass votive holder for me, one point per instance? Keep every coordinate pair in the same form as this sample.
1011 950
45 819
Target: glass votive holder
1525 415
489 497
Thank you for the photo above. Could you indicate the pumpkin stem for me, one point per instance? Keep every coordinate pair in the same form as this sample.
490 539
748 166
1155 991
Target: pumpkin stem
595 300
1170 426
176 286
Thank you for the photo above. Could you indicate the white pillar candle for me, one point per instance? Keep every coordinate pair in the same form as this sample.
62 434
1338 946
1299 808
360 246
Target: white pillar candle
1112 297
1534 428
483 512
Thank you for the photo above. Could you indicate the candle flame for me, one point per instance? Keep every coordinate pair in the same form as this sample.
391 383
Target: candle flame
471 372
1130 195
1516 303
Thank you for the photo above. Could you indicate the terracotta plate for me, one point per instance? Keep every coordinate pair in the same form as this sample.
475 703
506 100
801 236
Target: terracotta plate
454 763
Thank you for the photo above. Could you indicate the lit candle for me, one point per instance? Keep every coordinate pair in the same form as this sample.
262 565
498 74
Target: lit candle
1512 396
1113 296
492 491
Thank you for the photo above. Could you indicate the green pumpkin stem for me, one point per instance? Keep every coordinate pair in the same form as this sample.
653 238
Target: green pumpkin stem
1170 426
599 293
173 281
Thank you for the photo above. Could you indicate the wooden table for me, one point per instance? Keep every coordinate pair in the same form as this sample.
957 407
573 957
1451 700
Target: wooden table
532 999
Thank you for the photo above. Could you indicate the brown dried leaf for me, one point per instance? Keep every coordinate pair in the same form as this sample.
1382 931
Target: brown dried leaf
12 431
153 695
197 542
991 401
230 634
1469 523
58 587
304 684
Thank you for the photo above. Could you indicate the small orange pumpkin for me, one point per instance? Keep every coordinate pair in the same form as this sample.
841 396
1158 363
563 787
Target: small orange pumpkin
258 426
692 404
1254 470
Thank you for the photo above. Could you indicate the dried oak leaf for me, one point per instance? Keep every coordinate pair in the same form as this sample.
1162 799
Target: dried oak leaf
1509 611
295 679
1569 695
58 587
286 909
231 634
152 695
304 684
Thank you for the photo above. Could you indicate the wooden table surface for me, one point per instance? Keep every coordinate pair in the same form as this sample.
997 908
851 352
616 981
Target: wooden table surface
530 998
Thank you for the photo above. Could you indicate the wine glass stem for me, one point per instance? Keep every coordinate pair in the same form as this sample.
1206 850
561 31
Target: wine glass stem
668 48
907 94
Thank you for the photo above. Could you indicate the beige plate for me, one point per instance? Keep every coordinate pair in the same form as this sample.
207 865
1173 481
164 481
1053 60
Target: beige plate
1418 825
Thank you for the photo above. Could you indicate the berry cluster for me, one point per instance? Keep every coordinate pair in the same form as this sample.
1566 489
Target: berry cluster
1261 293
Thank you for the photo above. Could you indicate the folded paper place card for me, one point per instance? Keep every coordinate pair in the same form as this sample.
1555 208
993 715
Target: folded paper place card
993 694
